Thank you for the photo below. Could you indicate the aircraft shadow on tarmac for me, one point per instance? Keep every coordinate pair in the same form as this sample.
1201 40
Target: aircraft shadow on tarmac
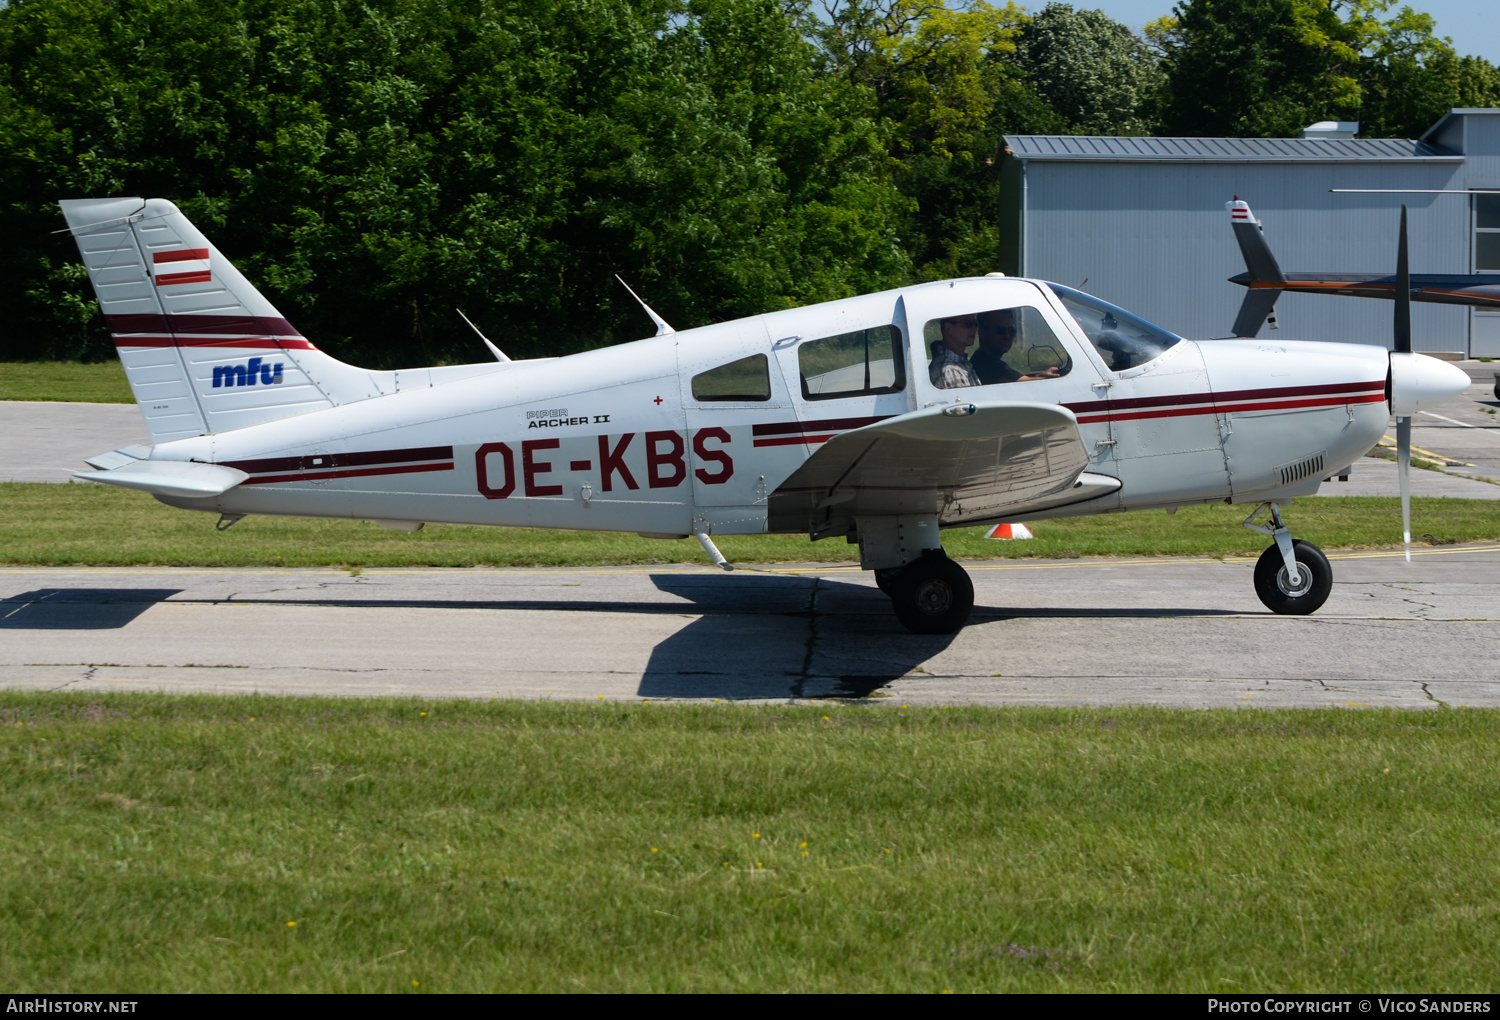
79 608
780 636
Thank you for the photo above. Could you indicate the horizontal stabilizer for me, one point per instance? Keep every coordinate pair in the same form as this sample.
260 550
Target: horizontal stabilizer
1253 311
118 458
170 477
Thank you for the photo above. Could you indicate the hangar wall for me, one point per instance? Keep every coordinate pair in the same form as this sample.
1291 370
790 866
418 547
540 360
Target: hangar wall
1152 235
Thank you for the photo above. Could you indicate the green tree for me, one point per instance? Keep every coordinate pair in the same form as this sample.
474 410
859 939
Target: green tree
1412 77
947 91
1271 67
1264 68
373 166
1096 73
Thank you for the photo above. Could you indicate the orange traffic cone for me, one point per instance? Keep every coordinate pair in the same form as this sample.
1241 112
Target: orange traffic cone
1008 531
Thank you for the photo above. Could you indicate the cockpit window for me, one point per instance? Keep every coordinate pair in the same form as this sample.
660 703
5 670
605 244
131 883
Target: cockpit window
1122 339
1000 345
746 379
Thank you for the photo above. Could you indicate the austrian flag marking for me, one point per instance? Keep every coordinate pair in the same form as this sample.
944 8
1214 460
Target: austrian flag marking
185 265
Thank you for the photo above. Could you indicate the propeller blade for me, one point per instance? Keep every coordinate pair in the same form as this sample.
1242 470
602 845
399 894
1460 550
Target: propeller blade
1403 465
1403 292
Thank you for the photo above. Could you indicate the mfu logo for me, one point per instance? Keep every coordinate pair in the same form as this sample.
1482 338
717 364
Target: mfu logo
245 375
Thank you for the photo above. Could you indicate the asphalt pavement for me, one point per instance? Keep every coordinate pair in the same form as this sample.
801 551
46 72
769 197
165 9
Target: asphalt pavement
1187 633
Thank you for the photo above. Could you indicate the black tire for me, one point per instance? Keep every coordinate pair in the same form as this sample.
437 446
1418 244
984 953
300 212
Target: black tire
1317 580
933 595
1497 389
885 580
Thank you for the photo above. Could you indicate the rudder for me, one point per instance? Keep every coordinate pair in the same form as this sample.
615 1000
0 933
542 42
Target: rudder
204 351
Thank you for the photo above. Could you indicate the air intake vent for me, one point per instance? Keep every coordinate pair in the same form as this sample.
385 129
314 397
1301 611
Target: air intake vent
1302 469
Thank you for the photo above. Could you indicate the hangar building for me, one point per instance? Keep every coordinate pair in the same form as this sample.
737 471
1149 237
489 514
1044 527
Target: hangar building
1141 222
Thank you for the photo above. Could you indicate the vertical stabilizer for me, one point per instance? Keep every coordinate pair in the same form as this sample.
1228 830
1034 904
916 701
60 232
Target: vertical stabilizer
204 351
1266 279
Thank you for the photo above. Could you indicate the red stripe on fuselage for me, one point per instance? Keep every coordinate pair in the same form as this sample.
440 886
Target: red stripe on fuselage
794 440
404 469
329 461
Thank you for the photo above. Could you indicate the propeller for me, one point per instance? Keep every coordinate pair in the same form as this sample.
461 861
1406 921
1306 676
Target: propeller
1402 331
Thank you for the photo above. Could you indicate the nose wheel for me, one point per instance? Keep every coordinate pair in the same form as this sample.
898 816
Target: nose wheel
1292 577
931 594
1307 593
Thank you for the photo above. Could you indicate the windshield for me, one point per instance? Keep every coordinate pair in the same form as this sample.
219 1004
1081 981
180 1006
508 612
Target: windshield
1124 340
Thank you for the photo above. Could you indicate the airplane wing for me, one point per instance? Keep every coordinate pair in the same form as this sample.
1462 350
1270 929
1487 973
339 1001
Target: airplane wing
966 463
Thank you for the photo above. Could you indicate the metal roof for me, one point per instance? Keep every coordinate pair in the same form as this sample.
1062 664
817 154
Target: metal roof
1226 150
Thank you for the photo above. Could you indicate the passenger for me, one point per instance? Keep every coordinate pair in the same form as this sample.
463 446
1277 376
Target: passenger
997 332
950 368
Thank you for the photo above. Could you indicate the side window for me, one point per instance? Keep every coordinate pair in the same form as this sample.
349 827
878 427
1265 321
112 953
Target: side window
746 379
988 348
852 364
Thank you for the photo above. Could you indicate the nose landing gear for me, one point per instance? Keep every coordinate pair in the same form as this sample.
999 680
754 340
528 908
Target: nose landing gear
1292 578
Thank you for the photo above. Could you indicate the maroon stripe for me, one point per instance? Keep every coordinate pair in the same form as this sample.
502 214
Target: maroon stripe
782 428
405 470
1301 391
1096 406
340 460
180 255
792 440
1263 405
172 279
273 343
245 325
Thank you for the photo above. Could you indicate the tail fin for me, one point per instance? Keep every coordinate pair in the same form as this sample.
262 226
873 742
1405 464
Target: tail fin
203 350
1264 278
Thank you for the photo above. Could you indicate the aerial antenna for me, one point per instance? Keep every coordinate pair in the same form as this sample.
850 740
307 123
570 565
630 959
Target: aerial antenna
497 352
662 328
1415 191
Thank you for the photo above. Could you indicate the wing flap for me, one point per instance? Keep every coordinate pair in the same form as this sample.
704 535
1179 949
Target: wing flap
987 461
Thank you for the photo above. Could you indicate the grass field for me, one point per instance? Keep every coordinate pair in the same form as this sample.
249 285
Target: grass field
99 525
102 383
152 843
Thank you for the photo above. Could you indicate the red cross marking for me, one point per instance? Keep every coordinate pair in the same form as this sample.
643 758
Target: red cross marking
658 400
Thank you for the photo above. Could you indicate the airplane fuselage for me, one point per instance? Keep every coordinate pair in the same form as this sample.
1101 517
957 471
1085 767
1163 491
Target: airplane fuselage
617 440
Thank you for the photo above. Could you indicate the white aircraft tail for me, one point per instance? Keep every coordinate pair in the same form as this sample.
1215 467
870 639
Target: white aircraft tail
203 349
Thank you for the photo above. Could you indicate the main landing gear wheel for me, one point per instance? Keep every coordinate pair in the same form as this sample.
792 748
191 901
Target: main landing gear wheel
1279 595
932 595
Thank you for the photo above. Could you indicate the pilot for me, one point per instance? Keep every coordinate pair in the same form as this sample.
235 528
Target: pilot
950 368
997 332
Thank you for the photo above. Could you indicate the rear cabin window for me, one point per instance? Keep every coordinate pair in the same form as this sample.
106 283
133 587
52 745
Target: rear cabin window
746 379
867 361
989 348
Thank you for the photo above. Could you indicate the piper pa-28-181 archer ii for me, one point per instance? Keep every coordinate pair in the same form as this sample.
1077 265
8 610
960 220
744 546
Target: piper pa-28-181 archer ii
880 419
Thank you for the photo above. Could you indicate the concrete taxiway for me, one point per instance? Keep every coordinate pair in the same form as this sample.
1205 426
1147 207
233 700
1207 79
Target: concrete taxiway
1109 632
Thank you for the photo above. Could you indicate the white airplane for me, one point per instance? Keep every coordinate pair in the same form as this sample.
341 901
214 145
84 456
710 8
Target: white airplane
864 419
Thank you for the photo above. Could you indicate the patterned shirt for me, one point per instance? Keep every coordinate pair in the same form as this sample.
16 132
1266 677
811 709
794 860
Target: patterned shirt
950 371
